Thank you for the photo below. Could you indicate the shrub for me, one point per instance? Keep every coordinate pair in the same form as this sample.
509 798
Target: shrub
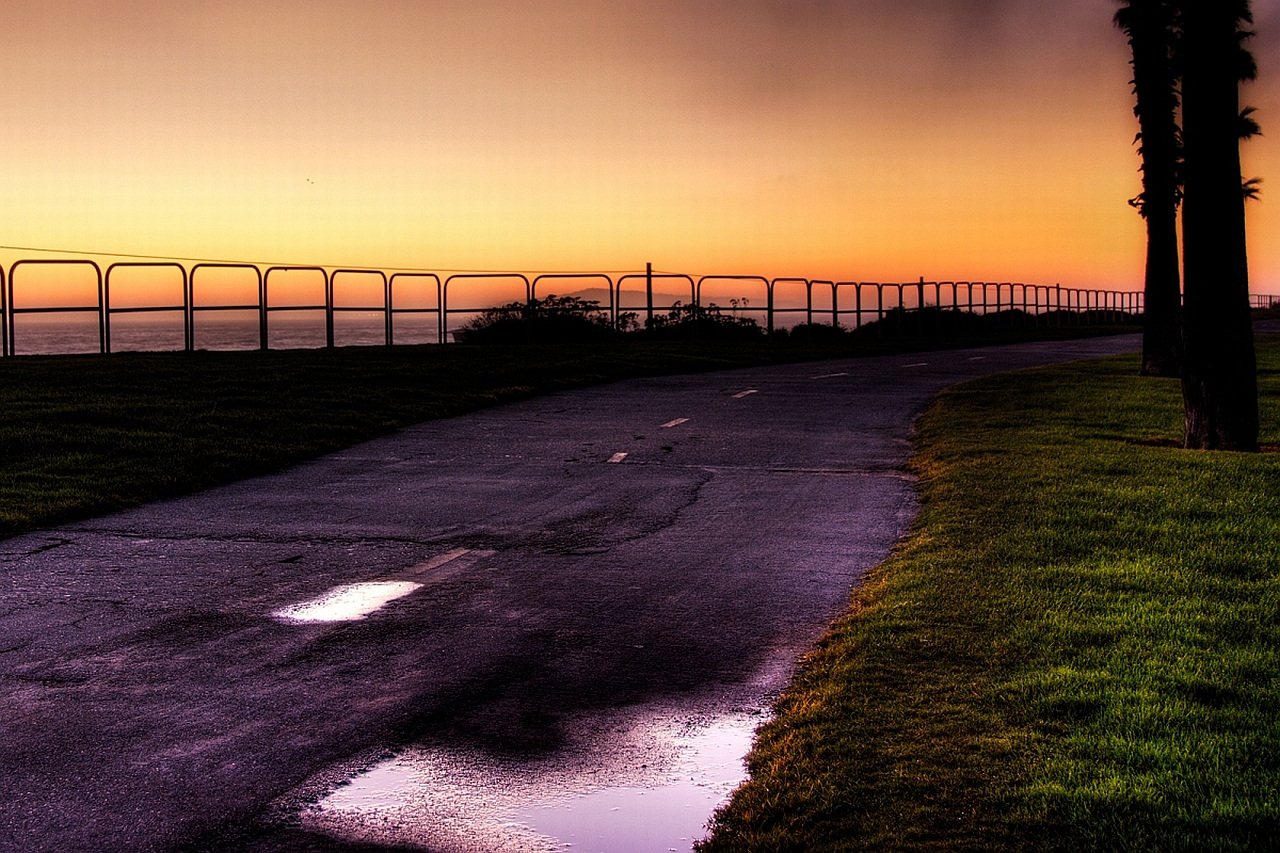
555 319
709 323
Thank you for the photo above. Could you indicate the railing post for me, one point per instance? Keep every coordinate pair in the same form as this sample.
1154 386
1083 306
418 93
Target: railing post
12 312
386 307
328 311
262 313
104 329
769 313
188 316
920 306
648 295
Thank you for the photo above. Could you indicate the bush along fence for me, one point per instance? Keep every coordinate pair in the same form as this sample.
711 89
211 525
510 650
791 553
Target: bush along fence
639 303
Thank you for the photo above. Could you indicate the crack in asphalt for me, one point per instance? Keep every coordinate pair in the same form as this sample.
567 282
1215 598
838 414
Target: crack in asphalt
214 539
609 530
52 545
896 473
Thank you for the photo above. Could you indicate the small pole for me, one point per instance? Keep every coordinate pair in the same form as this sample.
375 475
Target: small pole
328 310
769 313
920 306
262 312
648 293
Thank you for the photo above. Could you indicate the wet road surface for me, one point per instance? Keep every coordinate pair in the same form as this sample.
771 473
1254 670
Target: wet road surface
169 681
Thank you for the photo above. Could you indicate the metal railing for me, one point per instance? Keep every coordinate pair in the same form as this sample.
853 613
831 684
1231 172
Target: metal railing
847 304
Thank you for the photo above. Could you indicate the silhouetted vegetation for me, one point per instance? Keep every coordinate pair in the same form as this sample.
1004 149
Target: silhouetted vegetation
931 321
707 323
816 333
568 319
555 319
564 319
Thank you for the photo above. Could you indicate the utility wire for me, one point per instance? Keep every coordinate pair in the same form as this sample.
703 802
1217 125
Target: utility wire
358 267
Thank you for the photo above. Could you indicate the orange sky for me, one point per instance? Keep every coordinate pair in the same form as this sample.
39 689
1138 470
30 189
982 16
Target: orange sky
863 139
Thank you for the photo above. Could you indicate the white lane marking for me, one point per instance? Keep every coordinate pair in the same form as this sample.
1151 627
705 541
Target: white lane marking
829 376
917 364
348 602
437 561
617 457
676 422
978 358
745 394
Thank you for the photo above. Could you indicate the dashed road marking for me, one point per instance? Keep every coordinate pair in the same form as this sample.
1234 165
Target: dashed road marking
745 394
977 358
829 376
349 602
437 561
675 423
617 457
917 364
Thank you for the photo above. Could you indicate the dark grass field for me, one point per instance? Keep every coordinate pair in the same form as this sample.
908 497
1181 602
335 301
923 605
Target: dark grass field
1078 647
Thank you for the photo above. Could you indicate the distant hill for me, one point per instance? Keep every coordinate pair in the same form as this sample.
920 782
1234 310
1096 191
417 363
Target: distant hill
632 299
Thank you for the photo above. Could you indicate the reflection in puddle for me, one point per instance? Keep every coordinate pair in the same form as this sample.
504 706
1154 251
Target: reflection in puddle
654 791
670 816
348 602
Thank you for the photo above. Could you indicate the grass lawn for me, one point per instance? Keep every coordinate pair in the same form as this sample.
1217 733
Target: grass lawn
84 435
1078 647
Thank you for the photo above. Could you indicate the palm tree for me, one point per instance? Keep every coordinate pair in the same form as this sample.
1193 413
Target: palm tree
1219 371
1149 26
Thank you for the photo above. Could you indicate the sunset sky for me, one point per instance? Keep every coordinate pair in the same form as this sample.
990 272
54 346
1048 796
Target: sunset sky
865 139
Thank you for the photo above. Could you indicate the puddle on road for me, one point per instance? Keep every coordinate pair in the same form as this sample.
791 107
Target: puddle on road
666 817
653 791
348 602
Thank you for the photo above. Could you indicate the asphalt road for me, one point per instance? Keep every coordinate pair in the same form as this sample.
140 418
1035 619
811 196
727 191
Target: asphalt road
150 702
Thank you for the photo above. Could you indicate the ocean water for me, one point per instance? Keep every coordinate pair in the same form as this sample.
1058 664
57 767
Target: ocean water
36 334
46 334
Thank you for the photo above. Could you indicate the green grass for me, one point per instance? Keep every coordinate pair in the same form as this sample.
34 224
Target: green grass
84 435
1078 647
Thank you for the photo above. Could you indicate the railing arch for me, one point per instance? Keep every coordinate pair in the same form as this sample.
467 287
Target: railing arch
13 310
649 278
332 299
260 306
835 297
445 310
185 307
808 299
327 307
768 291
392 311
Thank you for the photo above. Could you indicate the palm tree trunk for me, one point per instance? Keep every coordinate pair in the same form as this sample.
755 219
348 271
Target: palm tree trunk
1149 25
1219 372
1162 297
